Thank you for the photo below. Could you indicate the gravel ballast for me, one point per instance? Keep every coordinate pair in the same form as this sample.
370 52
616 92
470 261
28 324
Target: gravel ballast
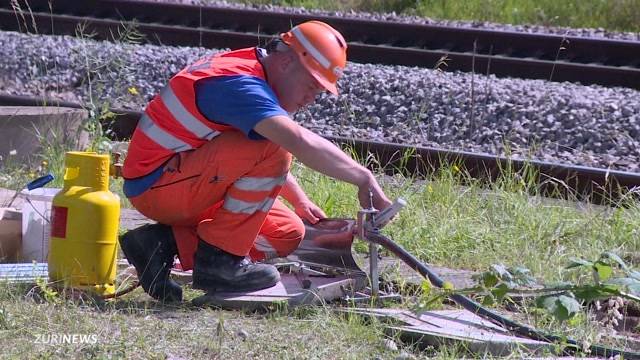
565 122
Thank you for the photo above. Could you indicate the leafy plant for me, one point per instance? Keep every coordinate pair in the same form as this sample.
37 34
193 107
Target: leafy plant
49 294
563 307
610 275
497 282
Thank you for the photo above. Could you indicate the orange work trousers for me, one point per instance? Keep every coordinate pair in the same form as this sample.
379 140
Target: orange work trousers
225 192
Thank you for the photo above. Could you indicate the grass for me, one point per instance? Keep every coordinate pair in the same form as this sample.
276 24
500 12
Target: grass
139 329
618 15
445 224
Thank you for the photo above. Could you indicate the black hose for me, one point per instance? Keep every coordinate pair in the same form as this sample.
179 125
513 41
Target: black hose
476 308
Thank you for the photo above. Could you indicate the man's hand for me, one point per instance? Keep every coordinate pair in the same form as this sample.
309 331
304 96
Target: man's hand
380 200
303 207
309 211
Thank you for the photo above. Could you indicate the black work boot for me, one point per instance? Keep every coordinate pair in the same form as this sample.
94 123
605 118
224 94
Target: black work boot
217 270
151 249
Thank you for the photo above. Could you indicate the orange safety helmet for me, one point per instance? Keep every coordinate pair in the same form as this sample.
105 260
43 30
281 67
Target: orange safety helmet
321 49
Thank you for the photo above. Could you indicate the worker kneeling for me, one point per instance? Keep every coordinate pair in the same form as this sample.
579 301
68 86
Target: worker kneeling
212 152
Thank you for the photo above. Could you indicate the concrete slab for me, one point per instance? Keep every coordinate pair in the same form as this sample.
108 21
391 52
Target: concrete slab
448 327
6 197
25 129
395 268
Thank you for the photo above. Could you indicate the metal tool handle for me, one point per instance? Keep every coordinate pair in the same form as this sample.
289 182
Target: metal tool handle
381 219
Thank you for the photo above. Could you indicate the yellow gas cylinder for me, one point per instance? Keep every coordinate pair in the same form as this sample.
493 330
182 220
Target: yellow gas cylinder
84 226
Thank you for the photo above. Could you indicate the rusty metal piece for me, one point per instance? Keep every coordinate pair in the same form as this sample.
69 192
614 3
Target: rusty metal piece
327 244
445 327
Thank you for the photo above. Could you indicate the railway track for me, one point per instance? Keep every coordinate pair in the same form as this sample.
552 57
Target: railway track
504 54
598 186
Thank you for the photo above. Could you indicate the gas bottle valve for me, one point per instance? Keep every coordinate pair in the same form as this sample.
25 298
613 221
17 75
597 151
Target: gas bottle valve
115 169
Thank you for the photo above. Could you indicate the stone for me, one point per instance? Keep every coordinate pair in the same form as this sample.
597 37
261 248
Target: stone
390 345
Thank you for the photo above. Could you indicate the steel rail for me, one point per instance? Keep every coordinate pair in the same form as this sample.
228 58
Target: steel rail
595 185
503 53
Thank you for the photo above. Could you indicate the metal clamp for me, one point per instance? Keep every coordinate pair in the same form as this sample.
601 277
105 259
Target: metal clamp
371 221
364 224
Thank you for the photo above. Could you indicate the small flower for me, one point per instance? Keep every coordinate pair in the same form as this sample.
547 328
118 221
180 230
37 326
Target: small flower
456 168
44 163
13 152
430 188
133 91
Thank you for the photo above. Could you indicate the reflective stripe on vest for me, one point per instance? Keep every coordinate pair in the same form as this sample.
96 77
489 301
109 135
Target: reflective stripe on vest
244 207
161 136
259 183
173 123
184 117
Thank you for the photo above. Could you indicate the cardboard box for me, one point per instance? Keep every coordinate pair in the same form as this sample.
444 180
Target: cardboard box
10 235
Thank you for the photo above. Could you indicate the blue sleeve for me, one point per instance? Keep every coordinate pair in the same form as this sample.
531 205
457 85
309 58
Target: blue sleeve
135 187
240 101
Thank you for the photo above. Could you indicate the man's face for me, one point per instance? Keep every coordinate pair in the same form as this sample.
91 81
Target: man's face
298 87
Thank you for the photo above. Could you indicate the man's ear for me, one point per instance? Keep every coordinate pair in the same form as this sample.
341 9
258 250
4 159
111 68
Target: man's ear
287 61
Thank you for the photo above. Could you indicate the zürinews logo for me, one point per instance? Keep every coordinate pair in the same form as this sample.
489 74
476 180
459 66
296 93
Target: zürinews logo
57 339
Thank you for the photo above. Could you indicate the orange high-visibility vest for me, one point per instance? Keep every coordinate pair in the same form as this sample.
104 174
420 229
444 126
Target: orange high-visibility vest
172 123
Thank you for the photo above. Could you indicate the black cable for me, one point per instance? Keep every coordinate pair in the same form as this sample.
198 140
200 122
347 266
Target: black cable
476 308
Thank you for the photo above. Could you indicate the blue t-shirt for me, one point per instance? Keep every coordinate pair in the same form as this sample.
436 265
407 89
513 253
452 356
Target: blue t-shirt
240 101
